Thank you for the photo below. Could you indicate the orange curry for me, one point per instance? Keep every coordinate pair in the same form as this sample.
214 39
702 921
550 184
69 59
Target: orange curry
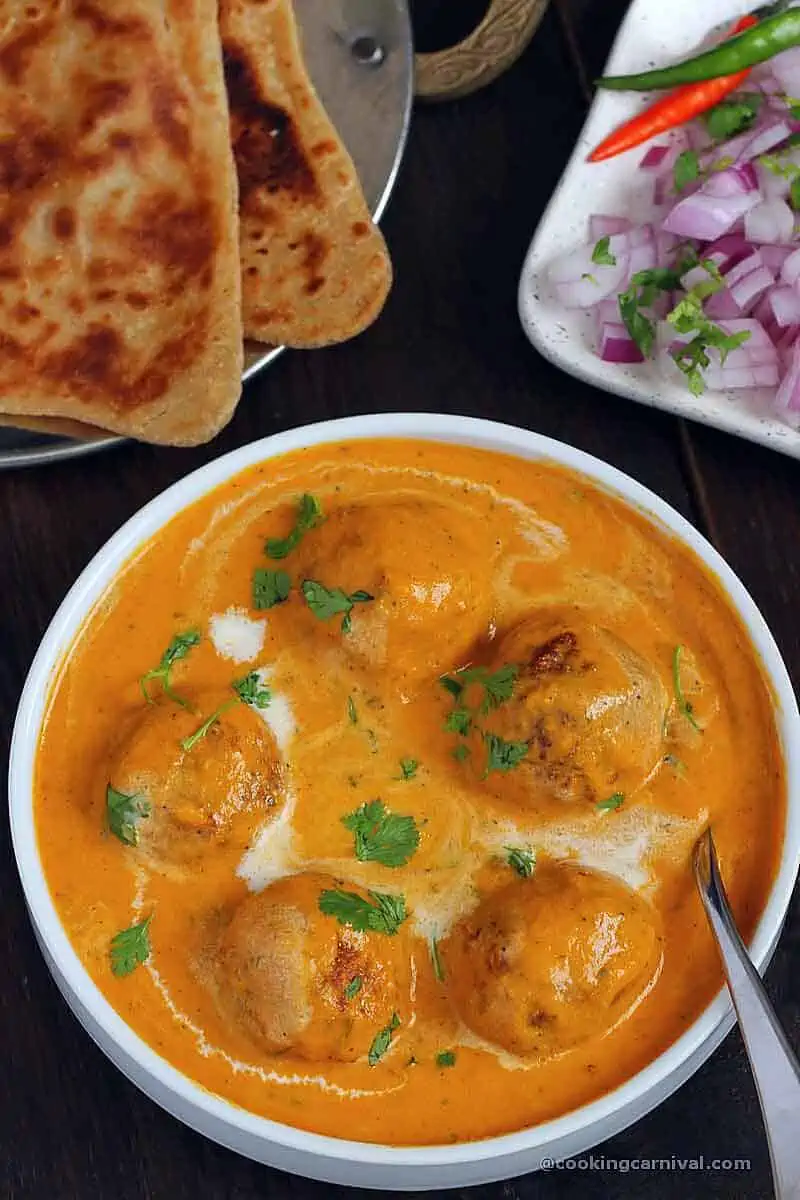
367 794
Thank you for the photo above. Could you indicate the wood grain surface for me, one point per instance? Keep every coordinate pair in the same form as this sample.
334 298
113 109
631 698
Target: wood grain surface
477 176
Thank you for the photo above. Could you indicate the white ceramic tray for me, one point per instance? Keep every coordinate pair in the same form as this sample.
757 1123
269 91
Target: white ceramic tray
650 36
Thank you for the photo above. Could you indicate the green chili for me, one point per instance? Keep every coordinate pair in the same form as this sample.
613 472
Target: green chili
755 45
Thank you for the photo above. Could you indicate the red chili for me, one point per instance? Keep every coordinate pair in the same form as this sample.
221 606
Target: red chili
674 109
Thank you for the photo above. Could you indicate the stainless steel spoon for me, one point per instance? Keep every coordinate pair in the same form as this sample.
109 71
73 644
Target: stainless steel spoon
772 1060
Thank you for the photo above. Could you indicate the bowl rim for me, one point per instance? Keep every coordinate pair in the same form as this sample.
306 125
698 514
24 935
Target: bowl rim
137 531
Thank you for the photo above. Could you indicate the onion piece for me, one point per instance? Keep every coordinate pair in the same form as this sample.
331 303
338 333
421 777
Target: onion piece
752 262
654 157
790 271
741 177
785 69
708 217
784 303
787 398
764 139
770 221
727 251
616 345
721 306
580 283
732 378
774 256
601 226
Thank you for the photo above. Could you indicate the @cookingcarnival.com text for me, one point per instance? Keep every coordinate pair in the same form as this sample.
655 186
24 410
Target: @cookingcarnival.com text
599 1162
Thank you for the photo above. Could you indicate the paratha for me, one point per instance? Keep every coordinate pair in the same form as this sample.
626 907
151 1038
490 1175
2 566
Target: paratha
119 273
315 268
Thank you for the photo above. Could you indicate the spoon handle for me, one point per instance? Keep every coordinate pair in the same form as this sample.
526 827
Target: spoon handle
773 1062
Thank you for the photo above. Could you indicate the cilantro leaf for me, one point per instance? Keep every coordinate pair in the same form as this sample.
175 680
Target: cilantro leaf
438 967
460 752
640 327
684 705
382 1041
270 587
446 1058
408 768
730 117
191 740
309 516
382 836
602 255
498 685
353 987
692 358
458 721
611 802
123 813
451 685
794 193
130 948
352 714
686 169
521 859
252 691
502 755
178 648
382 913
328 602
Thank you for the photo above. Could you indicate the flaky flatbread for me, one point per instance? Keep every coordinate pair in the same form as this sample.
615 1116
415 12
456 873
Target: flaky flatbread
315 268
119 271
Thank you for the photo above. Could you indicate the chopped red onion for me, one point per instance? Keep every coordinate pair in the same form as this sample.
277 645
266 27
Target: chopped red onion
769 221
787 399
785 68
741 177
579 282
654 157
790 271
727 251
722 306
617 346
784 304
764 139
743 268
601 226
774 256
708 217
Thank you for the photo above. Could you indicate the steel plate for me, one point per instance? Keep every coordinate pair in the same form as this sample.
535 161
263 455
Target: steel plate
359 54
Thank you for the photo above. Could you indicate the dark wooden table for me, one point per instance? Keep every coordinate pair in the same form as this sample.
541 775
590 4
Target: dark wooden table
477 176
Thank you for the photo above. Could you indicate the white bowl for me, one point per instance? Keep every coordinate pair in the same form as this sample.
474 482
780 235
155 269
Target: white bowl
326 1158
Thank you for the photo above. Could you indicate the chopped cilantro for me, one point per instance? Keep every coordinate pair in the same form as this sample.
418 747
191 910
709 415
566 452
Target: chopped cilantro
794 193
684 705
730 117
686 169
438 967
502 755
692 358
498 686
460 752
446 1058
382 1041
309 515
352 715
123 813
270 587
610 802
408 768
521 859
382 913
458 721
382 836
178 648
252 691
353 988
329 602
130 948
602 255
